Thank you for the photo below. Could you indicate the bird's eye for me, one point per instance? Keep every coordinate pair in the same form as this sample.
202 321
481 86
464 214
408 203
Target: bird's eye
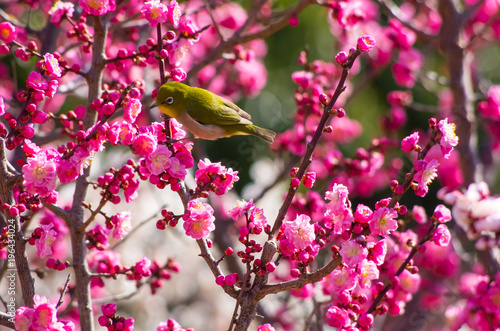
169 100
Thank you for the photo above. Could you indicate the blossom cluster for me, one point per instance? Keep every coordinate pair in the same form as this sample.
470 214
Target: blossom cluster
254 224
367 170
115 180
214 177
161 273
43 316
110 320
163 165
426 168
171 325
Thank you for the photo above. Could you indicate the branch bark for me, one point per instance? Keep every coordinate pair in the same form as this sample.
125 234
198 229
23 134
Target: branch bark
77 232
21 260
458 60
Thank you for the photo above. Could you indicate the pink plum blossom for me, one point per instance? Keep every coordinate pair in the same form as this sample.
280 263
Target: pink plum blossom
337 317
404 71
159 161
352 253
365 43
410 143
2 106
98 237
131 110
442 214
441 236
59 9
97 7
419 214
199 220
43 316
409 282
170 325
401 36
142 269
491 106
7 32
426 172
342 279
240 208
155 12
44 243
490 300
36 81
40 174
363 214
221 177
383 221
103 261
257 220
338 198
145 143
265 327
449 139
368 271
174 13
377 251
52 65
177 169
349 14
300 232
341 58
339 221
108 309
67 172
178 74
127 133
122 224
309 179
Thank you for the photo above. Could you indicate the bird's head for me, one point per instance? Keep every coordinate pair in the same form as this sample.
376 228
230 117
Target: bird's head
171 98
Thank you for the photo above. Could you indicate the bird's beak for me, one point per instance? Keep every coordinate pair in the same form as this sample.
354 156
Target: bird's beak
154 105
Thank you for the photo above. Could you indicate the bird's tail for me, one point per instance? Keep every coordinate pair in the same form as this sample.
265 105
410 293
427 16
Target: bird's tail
249 129
263 134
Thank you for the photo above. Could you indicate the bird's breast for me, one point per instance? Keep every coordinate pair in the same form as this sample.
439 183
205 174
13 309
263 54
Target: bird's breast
170 111
200 130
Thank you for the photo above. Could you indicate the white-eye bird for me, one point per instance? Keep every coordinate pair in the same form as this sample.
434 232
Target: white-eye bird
205 114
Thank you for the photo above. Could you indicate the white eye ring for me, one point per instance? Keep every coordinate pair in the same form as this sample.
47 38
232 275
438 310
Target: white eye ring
169 100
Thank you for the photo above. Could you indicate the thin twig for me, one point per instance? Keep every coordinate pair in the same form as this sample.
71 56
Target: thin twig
216 26
64 289
312 144
395 12
94 213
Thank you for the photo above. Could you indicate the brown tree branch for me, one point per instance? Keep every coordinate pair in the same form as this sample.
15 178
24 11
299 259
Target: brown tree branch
5 321
18 245
214 266
79 250
303 280
458 61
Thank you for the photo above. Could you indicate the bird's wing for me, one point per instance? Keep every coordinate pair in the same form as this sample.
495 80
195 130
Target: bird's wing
237 109
222 112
